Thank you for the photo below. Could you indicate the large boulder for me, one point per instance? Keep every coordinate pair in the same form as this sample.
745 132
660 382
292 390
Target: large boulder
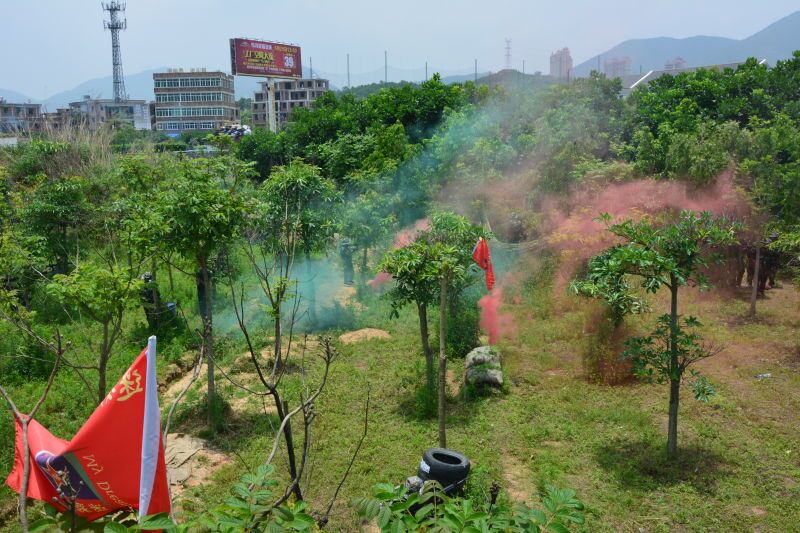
483 367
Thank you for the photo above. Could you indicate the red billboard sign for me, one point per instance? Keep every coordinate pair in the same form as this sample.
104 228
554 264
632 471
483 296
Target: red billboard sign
265 59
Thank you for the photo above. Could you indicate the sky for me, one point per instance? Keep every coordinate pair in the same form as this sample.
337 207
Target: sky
52 45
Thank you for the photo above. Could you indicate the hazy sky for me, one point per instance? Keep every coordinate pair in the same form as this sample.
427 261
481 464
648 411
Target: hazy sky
51 45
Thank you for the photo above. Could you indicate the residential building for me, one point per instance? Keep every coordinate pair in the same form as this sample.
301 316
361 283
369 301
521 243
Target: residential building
92 113
561 64
617 67
289 94
197 100
674 64
21 118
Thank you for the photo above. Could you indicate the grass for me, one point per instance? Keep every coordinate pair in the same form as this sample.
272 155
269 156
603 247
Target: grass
739 465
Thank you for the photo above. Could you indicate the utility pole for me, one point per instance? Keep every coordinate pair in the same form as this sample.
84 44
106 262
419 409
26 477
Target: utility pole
426 71
523 67
385 67
348 71
311 67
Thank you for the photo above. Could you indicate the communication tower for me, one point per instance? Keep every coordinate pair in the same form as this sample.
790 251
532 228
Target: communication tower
508 53
115 25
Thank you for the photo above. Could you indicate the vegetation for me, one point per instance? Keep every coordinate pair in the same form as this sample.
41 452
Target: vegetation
240 244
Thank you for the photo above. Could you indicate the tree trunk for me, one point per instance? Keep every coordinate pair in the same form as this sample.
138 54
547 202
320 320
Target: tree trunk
674 378
102 366
312 291
26 475
755 280
278 339
287 434
156 293
442 363
426 346
363 276
208 342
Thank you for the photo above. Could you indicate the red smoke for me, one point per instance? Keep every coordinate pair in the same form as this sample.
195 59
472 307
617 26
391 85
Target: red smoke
573 231
493 321
404 237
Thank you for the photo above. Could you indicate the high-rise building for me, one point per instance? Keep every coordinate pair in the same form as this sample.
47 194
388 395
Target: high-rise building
561 64
193 100
675 64
617 67
289 94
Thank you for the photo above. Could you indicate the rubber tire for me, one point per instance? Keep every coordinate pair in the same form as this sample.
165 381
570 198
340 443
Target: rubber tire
447 472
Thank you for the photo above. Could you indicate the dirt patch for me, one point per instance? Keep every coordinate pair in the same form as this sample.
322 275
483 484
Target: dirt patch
453 384
190 462
175 388
758 511
518 479
365 334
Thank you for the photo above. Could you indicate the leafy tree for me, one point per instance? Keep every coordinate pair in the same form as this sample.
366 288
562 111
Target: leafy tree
56 212
435 263
668 255
297 206
367 220
103 295
202 212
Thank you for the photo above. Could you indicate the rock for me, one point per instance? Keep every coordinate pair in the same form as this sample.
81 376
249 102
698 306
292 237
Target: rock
484 375
483 355
483 367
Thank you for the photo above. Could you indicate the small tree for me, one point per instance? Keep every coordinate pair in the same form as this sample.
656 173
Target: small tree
367 220
202 211
103 295
667 255
436 264
297 211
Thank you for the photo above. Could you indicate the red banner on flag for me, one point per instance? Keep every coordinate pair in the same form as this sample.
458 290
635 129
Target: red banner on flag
480 254
115 461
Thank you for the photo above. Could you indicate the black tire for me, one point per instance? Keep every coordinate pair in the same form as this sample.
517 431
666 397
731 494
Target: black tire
443 465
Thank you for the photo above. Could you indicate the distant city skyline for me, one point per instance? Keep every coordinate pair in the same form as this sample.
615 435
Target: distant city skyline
69 45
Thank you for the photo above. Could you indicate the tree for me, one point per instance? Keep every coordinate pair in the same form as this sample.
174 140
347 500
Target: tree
298 215
367 220
202 211
102 294
668 255
58 208
436 263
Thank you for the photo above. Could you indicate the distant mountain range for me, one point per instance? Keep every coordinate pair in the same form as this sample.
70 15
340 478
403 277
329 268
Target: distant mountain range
776 41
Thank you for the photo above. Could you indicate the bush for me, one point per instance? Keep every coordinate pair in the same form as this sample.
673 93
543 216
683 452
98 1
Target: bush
463 330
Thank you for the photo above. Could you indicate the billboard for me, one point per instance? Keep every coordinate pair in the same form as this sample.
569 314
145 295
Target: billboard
265 59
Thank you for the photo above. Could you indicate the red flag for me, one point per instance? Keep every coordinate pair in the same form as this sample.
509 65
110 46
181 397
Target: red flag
480 254
114 462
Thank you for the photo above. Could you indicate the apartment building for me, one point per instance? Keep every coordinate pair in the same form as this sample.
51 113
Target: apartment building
193 100
289 94
21 118
92 113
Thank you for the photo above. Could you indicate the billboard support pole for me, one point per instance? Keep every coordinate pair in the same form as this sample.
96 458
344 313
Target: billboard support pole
273 119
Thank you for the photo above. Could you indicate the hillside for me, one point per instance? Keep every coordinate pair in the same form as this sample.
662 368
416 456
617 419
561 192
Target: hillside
776 41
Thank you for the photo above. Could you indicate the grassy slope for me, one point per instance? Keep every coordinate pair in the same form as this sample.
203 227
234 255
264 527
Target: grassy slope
740 457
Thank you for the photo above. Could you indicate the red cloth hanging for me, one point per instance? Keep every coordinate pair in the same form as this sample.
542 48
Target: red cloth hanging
481 256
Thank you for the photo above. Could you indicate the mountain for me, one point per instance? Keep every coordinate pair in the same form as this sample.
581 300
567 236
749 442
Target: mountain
776 41
14 96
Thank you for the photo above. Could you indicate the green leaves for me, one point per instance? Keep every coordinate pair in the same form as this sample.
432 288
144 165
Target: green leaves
394 509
